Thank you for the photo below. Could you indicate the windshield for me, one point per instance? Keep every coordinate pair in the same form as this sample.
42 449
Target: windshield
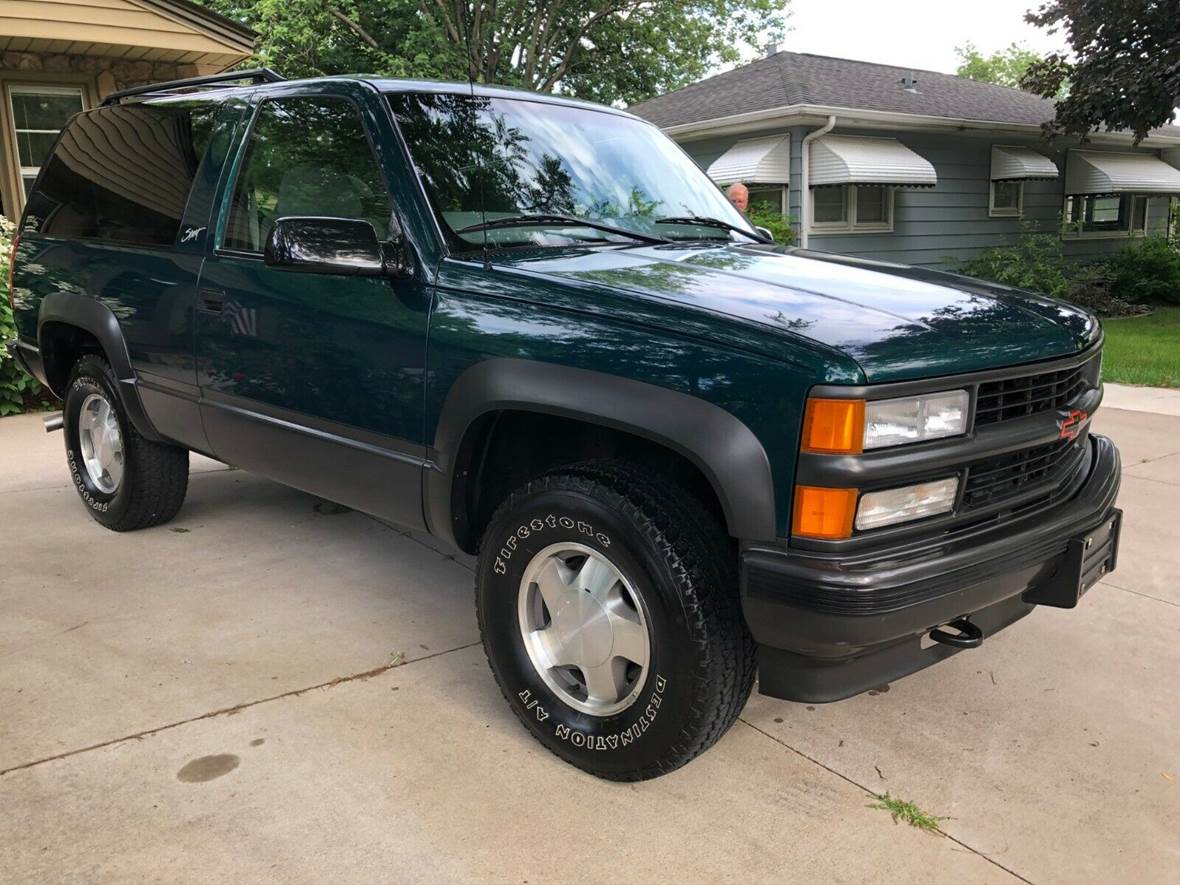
484 160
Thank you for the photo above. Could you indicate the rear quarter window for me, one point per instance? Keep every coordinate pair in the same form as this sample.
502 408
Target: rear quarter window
122 174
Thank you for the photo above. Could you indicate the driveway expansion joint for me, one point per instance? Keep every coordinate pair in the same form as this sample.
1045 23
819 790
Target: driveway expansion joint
872 795
237 708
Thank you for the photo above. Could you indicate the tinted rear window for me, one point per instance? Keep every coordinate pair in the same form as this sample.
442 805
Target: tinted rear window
122 173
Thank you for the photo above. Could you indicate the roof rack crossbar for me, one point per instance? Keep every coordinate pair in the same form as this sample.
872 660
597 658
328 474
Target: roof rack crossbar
252 76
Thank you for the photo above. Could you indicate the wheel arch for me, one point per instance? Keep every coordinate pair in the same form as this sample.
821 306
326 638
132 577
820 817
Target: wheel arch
69 325
722 448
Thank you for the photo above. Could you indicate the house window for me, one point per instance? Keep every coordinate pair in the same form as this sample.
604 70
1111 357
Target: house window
39 113
769 195
1110 215
850 208
1007 198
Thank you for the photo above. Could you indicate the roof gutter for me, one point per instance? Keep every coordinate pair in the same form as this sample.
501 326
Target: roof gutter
804 114
805 193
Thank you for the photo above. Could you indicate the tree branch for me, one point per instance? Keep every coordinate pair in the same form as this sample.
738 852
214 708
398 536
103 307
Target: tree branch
354 27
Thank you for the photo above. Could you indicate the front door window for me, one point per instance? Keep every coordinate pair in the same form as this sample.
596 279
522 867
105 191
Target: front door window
307 156
39 113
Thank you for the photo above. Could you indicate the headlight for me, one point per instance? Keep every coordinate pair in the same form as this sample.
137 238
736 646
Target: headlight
892 422
892 506
851 426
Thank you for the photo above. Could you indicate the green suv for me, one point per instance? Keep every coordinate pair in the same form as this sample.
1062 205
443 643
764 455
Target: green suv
533 328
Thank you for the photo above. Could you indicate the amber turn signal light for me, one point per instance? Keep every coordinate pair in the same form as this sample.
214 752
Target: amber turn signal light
823 513
834 426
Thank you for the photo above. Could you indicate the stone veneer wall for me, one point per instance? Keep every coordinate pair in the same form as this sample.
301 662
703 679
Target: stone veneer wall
110 74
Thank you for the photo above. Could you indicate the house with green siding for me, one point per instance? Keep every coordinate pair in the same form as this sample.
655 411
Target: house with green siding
917 167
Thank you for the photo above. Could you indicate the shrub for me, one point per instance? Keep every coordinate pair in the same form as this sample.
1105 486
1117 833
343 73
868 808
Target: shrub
1037 263
1034 263
1148 271
1092 286
779 225
17 388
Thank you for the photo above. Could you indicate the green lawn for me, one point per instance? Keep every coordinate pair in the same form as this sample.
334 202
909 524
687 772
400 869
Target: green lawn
1144 350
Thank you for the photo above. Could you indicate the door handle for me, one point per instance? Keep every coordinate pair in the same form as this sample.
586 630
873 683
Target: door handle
212 300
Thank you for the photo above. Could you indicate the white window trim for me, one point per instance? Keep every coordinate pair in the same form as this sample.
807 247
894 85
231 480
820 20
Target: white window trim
1126 234
849 225
27 88
1005 211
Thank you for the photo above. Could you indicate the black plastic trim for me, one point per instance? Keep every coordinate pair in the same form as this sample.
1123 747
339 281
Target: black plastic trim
833 607
28 357
720 445
91 315
376 474
252 76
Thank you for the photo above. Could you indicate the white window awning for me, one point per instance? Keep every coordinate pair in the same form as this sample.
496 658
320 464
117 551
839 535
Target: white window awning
1102 172
765 160
1020 164
856 159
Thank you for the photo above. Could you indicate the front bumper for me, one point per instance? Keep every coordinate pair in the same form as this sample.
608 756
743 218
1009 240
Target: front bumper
828 630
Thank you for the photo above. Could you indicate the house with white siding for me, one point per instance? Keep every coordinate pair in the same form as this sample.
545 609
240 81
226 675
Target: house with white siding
915 166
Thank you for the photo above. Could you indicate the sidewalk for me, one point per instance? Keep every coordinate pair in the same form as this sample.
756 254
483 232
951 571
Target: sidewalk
1160 400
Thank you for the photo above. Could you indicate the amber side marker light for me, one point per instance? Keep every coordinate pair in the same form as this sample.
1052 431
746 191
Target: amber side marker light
823 513
834 426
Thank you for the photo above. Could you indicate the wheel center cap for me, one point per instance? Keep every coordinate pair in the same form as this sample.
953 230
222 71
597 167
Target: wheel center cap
584 621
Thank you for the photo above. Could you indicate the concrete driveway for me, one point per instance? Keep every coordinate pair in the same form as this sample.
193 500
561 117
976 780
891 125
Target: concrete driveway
225 699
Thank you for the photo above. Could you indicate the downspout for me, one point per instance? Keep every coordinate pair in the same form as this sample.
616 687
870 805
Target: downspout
805 192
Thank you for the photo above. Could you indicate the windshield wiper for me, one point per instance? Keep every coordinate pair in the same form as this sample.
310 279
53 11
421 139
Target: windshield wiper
546 220
704 221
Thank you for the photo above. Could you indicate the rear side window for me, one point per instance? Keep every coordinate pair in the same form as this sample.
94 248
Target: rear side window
307 156
122 173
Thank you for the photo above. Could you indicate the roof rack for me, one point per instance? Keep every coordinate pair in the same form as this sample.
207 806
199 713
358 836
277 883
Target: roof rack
252 76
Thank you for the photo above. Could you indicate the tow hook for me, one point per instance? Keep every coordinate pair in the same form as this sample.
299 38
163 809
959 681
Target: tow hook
53 422
969 636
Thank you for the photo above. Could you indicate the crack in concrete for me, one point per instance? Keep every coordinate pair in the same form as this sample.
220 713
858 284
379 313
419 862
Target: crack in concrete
1127 474
1106 583
237 708
871 794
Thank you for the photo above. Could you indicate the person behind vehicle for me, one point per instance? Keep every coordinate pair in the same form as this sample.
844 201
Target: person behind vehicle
739 195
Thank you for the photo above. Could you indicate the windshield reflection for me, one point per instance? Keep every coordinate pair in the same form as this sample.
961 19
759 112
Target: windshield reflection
483 159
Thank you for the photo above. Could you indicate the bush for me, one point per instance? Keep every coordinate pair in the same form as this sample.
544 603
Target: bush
18 390
1093 287
767 216
1148 271
1036 263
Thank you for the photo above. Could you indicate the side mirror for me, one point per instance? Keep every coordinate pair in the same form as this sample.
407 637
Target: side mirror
325 245
765 231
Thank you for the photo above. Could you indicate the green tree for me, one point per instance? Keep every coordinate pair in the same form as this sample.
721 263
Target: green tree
1005 67
1123 68
610 51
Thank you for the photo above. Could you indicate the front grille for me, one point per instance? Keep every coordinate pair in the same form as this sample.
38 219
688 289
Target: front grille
999 479
1029 394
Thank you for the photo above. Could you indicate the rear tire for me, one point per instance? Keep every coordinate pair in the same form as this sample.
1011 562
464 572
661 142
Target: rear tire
654 561
126 482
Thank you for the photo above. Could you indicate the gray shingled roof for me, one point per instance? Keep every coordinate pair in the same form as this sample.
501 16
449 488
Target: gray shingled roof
797 78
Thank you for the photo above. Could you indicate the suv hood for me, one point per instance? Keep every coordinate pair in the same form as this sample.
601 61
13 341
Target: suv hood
897 322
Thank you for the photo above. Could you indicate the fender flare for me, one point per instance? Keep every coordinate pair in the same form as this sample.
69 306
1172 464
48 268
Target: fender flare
92 316
723 448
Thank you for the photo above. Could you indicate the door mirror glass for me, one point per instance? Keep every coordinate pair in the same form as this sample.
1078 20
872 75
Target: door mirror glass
324 245
765 231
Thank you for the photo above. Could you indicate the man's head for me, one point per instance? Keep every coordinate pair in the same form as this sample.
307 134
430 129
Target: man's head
739 195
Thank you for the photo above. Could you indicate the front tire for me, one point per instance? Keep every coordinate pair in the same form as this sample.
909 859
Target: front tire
126 482
609 611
